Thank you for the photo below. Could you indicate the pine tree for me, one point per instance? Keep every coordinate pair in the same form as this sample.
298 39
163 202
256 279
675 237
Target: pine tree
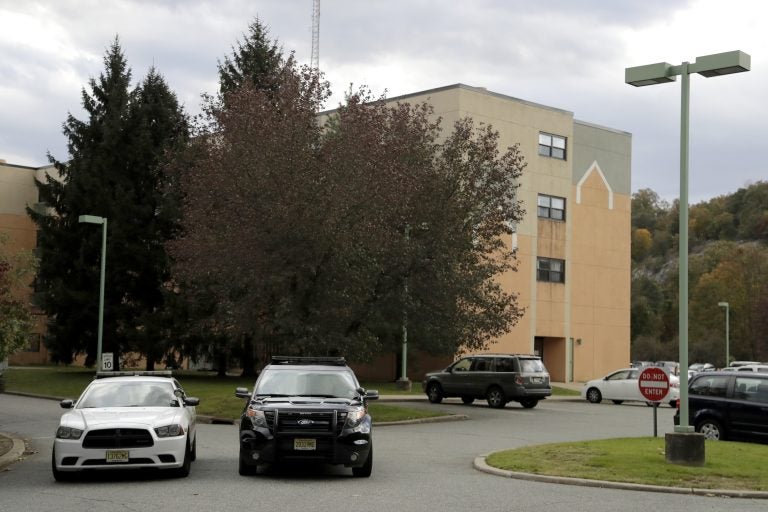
114 171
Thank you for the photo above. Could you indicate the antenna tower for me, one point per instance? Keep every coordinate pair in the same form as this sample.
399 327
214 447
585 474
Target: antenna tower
315 35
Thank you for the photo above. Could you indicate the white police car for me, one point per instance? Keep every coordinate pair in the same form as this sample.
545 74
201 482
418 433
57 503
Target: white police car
130 421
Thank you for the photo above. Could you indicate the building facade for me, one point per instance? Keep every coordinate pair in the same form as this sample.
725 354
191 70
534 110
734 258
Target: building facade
17 191
573 244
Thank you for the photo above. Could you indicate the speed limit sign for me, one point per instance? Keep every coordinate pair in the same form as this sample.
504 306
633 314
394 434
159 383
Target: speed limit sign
107 362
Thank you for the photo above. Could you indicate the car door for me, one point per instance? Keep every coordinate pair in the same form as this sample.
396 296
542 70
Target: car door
481 376
748 408
457 379
613 385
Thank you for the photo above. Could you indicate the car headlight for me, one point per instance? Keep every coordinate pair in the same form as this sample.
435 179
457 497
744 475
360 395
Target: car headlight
354 417
169 431
68 433
257 417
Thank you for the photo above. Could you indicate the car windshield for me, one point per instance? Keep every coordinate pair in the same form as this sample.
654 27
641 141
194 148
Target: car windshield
531 366
319 383
128 394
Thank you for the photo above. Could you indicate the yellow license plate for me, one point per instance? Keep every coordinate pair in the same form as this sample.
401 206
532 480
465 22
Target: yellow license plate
117 456
305 444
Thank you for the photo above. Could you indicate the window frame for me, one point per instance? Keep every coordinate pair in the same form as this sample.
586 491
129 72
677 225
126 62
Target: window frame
551 274
545 211
549 149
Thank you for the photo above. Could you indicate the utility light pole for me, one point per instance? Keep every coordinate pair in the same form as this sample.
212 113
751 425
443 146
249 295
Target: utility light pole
93 219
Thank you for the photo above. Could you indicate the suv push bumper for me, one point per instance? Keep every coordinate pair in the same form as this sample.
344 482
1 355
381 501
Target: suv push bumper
350 450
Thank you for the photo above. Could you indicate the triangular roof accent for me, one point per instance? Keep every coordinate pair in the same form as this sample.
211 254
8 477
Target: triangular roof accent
595 167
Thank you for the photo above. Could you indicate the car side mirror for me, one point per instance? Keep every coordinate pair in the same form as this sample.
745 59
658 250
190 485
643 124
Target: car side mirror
66 404
242 393
191 401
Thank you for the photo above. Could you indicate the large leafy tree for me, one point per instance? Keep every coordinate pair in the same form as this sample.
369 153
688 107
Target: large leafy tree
114 171
323 237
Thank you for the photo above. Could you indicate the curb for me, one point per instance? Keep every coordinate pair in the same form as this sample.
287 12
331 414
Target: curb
481 465
14 454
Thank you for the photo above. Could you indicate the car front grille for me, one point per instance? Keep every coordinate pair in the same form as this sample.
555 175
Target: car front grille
287 421
118 438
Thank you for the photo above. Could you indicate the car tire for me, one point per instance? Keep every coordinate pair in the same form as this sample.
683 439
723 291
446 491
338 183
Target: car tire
365 470
193 455
594 396
60 476
496 398
712 429
245 469
529 403
467 400
186 465
618 402
435 393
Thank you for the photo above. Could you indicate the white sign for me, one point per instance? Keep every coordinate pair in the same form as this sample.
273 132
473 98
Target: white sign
107 362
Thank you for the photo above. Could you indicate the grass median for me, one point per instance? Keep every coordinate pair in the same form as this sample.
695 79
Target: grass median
217 394
728 465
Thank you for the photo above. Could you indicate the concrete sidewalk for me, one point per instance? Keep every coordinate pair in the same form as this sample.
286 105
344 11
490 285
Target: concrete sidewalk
11 449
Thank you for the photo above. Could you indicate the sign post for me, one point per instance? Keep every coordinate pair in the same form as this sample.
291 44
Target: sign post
654 386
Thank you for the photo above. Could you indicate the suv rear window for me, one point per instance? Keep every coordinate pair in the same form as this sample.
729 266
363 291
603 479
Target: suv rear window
531 366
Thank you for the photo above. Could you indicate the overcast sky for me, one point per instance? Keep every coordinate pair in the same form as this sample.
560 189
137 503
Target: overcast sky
568 54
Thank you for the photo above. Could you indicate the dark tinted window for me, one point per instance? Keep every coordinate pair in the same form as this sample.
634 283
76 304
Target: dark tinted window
505 364
481 364
715 385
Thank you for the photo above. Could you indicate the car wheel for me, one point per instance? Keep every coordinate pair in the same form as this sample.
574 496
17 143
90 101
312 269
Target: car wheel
435 393
529 403
183 471
244 468
467 400
711 429
193 455
618 402
594 396
60 476
496 398
364 471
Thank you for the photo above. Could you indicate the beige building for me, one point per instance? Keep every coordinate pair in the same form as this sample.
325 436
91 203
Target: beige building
17 191
574 242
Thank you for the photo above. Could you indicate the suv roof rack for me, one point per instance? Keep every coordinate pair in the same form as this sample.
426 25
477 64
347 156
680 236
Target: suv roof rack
332 361
132 373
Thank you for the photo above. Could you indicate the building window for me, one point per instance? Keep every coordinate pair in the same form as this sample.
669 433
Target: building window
551 207
550 270
33 345
552 145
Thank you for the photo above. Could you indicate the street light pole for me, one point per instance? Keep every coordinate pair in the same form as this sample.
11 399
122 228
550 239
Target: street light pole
93 219
663 72
727 333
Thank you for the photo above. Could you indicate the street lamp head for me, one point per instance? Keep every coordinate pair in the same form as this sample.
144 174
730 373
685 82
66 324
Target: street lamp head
722 64
91 219
650 74
722 304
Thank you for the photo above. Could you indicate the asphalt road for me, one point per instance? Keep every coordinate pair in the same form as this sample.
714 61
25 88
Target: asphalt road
417 467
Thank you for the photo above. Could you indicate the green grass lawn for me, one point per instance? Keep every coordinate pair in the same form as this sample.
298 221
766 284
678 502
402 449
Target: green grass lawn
216 394
728 465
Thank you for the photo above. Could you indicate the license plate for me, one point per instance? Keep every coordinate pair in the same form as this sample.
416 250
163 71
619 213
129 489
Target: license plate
537 380
117 455
305 444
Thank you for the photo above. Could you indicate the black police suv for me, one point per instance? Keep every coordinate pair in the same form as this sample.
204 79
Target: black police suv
306 409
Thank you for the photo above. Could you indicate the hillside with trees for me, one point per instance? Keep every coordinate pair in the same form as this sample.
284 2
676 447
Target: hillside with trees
728 262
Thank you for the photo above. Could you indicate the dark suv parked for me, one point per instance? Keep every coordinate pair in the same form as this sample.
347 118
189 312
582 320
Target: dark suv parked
499 378
306 409
726 405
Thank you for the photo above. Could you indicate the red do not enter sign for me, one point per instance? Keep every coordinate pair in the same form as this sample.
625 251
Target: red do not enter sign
654 384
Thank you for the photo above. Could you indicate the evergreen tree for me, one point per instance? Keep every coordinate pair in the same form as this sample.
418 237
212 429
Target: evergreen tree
256 59
113 172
